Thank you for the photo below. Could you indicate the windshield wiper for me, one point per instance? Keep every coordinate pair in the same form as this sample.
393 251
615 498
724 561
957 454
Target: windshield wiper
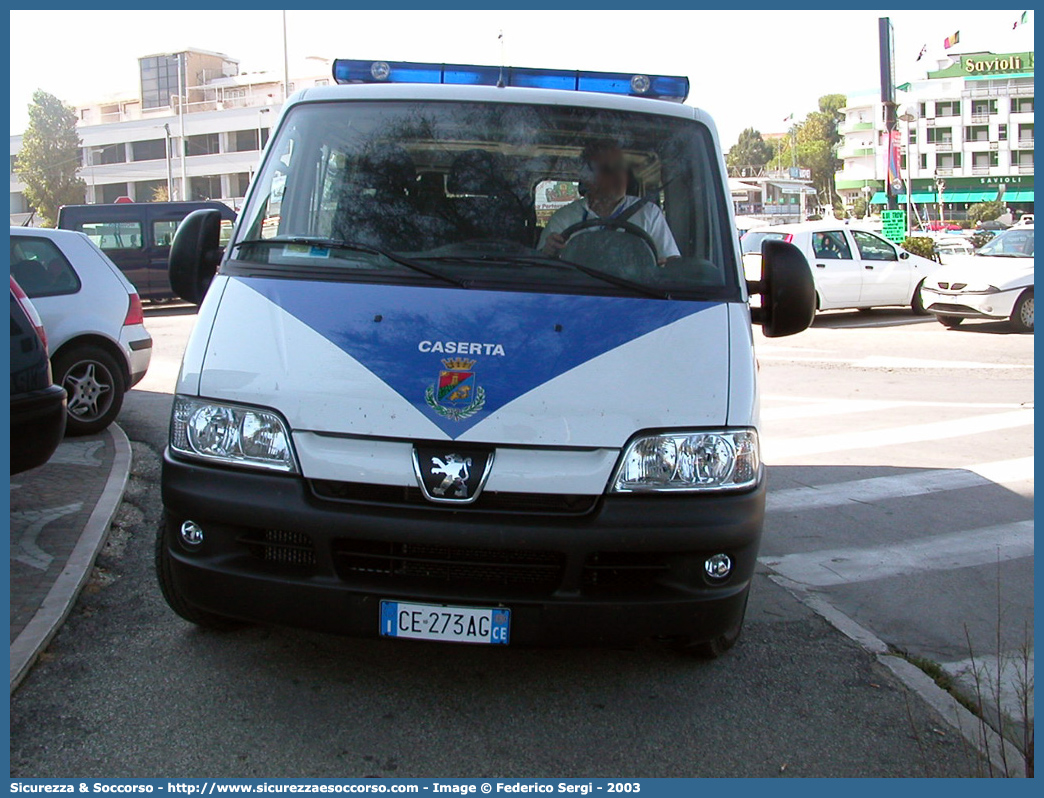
353 246
544 260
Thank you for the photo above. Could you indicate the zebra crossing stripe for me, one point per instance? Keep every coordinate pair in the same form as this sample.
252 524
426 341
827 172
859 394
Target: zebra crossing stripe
776 450
899 486
831 567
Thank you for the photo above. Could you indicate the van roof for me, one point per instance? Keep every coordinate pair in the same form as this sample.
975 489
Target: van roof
493 94
133 209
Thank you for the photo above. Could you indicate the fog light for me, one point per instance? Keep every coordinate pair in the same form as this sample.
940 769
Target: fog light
719 566
192 534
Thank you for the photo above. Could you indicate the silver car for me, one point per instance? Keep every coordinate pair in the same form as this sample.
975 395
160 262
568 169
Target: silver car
93 319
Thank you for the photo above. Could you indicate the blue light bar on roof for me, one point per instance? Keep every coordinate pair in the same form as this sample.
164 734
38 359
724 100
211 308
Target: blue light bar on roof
660 87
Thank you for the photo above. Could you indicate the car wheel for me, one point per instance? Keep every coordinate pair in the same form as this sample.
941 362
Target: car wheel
917 303
950 321
1022 315
175 600
717 646
94 385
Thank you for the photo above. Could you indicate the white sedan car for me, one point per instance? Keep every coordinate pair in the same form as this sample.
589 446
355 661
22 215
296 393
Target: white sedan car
92 315
994 283
851 267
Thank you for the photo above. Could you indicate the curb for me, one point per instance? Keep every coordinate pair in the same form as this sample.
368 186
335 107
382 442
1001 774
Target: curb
1002 755
62 595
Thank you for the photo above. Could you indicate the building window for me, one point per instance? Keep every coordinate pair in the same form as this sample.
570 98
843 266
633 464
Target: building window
207 144
239 183
1026 136
912 138
151 150
948 108
1021 105
264 136
243 140
159 80
923 110
984 107
1002 132
948 160
14 163
113 153
982 160
146 190
1022 157
977 133
940 135
205 188
924 160
112 192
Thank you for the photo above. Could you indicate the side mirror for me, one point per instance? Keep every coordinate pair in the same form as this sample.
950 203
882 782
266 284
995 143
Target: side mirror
903 254
195 254
788 293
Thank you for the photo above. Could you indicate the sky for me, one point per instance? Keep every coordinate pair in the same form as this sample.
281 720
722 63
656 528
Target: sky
748 69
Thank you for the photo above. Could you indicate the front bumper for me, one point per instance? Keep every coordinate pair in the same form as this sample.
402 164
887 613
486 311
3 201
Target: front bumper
965 305
37 427
630 568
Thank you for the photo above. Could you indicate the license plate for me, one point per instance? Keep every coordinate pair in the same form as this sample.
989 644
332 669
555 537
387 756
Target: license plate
450 624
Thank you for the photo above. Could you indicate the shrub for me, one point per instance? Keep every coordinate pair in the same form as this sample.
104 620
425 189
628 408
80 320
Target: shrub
921 245
985 211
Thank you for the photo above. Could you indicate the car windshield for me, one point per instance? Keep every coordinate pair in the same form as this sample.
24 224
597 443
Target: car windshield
751 242
1012 243
497 196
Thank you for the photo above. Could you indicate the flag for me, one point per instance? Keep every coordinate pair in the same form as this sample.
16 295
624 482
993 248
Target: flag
924 49
1021 20
787 119
951 40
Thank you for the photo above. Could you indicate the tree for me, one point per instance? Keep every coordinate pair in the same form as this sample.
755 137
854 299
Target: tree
50 157
816 139
159 194
859 208
985 211
749 151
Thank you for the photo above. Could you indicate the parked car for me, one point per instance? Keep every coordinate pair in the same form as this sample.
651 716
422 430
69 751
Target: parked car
852 267
37 404
93 318
994 283
137 236
948 246
751 240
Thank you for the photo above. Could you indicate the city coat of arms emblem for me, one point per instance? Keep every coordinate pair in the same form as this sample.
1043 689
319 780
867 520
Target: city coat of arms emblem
456 394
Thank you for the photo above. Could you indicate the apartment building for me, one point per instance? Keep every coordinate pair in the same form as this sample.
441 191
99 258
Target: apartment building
195 126
971 140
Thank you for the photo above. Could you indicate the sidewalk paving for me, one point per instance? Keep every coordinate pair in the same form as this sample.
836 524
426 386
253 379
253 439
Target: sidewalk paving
60 514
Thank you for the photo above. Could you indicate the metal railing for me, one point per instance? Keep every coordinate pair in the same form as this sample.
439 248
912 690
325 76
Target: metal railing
944 172
1026 169
1026 144
944 146
980 170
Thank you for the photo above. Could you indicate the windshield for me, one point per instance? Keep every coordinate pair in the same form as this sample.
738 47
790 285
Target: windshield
491 195
1010 244
751 242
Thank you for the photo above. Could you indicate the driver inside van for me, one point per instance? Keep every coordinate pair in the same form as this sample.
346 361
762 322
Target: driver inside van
603 182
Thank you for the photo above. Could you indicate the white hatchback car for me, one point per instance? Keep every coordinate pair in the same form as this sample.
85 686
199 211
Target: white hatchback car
852 267
995 283
93 319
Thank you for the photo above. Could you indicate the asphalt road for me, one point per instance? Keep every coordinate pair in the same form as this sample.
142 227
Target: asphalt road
900 492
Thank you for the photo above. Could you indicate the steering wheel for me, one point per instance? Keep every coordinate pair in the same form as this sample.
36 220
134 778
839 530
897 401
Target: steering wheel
617 224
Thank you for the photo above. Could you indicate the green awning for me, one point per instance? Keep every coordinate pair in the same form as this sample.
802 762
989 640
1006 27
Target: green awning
879 199
919 197
1019 196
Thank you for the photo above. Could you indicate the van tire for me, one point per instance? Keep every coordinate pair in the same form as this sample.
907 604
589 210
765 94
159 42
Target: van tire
952 322
173 597
94 384
717 646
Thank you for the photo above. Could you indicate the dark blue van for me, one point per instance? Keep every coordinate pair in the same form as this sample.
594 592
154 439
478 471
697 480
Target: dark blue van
137 236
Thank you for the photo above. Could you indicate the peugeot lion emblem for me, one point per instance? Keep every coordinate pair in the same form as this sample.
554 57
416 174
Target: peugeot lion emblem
455 472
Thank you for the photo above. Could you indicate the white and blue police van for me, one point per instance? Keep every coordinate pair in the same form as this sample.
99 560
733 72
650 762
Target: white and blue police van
476 365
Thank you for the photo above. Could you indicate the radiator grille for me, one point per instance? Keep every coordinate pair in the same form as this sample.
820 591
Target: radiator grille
280 546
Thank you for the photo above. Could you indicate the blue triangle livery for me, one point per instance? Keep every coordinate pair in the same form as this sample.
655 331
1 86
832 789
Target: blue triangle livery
459 356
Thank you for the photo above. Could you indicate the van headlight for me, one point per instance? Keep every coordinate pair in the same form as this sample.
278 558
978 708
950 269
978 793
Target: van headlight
246 436
690 461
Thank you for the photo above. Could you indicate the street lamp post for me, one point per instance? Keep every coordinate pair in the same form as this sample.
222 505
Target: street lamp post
909 116
867 192
170 171
940 184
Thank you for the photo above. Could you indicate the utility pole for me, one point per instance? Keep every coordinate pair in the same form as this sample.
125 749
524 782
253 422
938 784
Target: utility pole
181 124
170 172
286 64
887 62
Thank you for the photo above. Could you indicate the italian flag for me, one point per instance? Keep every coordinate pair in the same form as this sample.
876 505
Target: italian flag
1021 20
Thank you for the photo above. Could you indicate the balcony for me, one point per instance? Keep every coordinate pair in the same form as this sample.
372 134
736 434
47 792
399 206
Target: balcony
1026 169
1026 144
944 172
944 146
994 145
980 170
980 119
